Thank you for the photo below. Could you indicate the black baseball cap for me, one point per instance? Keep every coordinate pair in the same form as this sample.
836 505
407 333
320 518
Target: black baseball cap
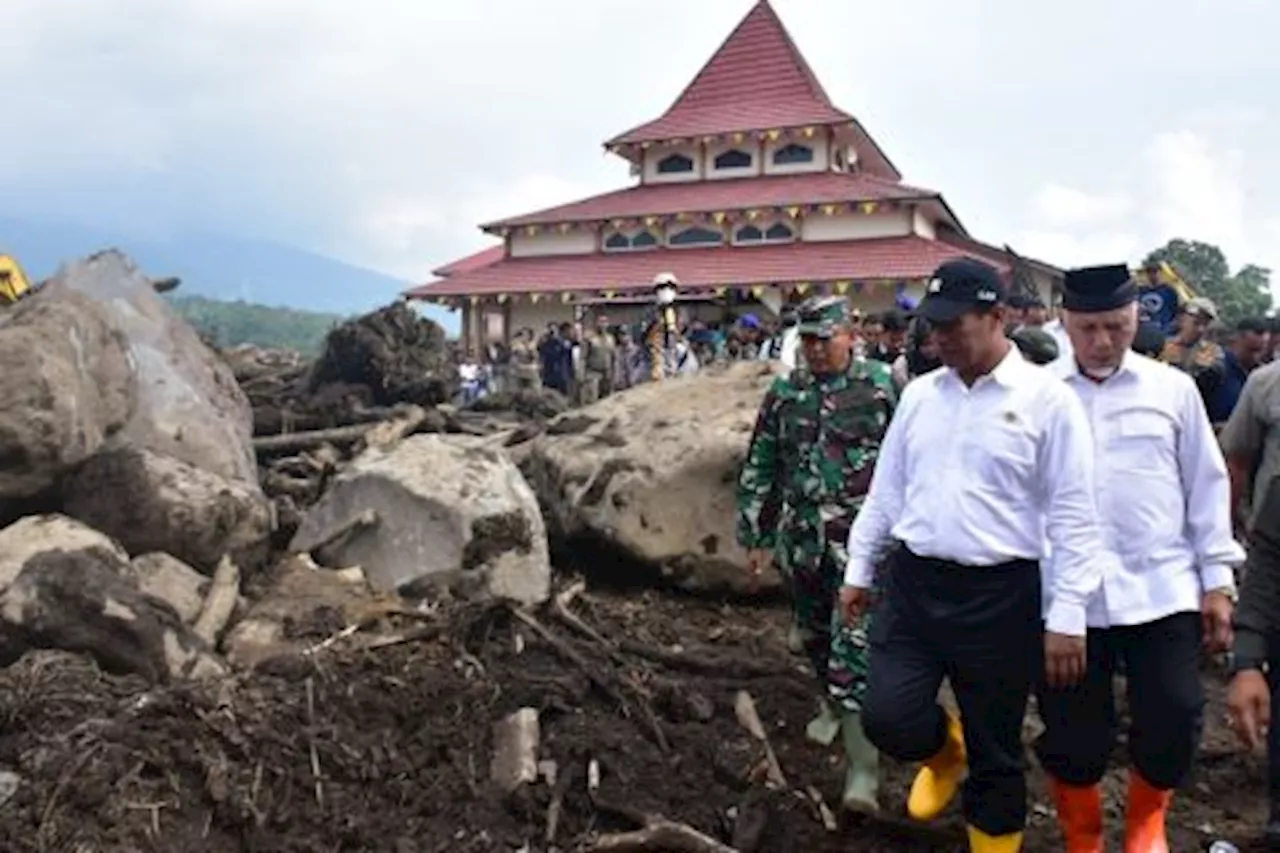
958 287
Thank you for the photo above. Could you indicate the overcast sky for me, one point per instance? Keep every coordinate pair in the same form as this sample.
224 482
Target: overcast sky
381 134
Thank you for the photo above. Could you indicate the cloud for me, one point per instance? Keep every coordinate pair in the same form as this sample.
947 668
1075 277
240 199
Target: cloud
1189 184
1058 205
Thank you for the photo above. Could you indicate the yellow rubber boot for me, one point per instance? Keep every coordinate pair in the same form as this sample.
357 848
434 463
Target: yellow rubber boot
980 842
939 779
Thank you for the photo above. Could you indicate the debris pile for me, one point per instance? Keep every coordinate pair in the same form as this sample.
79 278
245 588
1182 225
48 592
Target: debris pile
250 602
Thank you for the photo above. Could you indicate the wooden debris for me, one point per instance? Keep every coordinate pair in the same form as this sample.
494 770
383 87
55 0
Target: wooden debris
657 834
389 433
292 442
744 708
219 602
825 814
515 750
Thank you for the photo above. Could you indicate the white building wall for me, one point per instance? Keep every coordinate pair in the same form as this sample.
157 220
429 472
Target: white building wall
922 225
855 226
578 241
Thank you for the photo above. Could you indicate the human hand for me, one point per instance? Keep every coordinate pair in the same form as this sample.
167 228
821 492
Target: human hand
1216 610
1064 659
1249 703
854 601
758 559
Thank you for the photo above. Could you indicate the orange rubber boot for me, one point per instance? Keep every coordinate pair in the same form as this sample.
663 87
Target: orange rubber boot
1144 817
1080 815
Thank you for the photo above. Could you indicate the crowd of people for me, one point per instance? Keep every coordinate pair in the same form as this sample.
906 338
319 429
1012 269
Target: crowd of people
1022 506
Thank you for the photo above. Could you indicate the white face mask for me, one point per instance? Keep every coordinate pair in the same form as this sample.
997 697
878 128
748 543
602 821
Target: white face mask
666 295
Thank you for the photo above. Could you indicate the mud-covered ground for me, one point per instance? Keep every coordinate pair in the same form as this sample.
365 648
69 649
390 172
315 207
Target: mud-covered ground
388 749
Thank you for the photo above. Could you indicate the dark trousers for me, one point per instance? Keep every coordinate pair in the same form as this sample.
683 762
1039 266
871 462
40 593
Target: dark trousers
1273 731
1166 704
980 628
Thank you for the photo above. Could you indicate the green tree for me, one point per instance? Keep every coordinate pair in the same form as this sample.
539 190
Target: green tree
1246 293
229 324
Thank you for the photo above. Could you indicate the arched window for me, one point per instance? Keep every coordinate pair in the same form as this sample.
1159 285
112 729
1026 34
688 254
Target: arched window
779 232
617 241
674 164
696 236
749 234
792 153
644 240
733 159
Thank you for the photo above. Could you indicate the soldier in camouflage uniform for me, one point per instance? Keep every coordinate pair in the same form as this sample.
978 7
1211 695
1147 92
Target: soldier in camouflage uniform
807 471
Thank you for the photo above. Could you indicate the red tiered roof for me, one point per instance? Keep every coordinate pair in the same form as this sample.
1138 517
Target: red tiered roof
757 80
721 195
483 258
910 257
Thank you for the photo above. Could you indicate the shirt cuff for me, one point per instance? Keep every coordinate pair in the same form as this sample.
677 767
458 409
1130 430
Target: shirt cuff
858 573
1065 617
1217 577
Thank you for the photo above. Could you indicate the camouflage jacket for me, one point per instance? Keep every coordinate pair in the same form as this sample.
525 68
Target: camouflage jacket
811 457
1204 360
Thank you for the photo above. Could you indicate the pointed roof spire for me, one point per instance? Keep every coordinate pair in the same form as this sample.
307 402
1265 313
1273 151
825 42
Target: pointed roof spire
756 80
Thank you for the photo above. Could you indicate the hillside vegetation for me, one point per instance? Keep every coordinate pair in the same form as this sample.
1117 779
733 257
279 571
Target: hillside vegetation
231 323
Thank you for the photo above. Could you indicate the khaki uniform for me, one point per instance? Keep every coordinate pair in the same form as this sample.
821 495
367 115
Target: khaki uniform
601 363
524 365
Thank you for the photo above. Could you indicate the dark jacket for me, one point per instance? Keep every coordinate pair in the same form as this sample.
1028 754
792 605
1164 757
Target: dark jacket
1257 617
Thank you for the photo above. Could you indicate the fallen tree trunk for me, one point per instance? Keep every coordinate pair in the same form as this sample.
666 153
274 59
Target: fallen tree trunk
293 442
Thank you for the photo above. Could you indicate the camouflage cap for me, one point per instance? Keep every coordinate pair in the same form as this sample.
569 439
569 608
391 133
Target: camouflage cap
823 316
1037 345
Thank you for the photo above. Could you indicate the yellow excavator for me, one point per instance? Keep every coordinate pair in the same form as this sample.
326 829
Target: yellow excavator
14 284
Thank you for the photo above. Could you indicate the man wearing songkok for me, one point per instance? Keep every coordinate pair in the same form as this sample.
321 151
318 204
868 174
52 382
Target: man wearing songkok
1164 500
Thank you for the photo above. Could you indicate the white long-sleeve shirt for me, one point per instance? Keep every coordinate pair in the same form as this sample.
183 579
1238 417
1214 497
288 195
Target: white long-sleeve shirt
1162 492
978 475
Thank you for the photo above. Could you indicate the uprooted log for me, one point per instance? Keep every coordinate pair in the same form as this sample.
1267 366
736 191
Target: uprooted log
656 833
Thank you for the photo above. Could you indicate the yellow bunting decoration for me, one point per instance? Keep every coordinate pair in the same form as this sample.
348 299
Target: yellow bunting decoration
531 230
683 217
828 210
564 227
502 298
757 291
868 207
802 288
565 296
718 217
475 300
753 215
793 212
808 132
535 298
651 221
738 137
721 291
774 135
842 287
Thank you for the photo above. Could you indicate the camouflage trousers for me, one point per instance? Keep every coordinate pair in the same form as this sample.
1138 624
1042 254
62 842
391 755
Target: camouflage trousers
837 652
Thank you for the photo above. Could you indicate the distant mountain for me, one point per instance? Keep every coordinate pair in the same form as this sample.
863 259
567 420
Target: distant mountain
218 267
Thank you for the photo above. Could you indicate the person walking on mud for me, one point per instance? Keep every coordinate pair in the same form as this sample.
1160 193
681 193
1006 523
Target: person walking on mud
982 457
1165 501
808 467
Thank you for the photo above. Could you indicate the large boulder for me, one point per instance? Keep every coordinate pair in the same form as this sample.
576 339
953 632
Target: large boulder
67 385
449 511
652 473
66 586
180 474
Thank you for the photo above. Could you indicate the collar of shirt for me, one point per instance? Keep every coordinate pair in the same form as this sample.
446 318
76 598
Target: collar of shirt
1131 365
1005 373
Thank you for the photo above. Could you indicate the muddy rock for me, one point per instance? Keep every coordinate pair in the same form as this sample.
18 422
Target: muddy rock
188 414
66 387
154 502
653 473
169 579
435 511
65 586
303 605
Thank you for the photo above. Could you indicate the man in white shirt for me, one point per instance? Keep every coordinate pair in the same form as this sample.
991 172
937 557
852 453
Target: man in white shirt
983 455
1165 501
